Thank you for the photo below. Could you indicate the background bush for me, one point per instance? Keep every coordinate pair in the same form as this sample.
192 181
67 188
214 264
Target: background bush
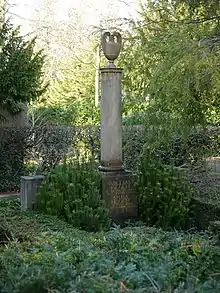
72 191
44 146
180 150
12 148
21 79
164 195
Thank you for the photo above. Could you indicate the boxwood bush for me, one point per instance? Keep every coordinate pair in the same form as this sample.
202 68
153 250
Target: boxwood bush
165 196
72 191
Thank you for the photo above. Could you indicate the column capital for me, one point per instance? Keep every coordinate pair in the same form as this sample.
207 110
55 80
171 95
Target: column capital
111 70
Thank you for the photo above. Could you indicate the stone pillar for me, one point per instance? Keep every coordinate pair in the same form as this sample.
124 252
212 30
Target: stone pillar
111 120
118 185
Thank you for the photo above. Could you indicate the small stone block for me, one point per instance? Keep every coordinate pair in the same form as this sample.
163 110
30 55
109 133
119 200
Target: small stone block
28 191
118 190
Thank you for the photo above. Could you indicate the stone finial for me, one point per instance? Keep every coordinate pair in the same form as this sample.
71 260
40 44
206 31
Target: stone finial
111 46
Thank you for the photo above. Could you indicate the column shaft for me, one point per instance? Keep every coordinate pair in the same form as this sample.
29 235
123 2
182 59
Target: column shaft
111 119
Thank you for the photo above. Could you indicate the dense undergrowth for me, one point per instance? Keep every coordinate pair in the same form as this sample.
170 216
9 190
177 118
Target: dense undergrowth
39 253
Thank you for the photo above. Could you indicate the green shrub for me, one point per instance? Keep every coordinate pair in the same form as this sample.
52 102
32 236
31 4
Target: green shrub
72 191
164 195
31 168
20 69
12 147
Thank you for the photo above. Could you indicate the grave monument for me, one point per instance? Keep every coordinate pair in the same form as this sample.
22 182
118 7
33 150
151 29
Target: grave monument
118 185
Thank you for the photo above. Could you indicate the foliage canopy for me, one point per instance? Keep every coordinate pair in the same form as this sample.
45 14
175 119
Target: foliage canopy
20 69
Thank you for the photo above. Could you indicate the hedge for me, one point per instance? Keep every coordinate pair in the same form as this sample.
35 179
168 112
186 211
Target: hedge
46 146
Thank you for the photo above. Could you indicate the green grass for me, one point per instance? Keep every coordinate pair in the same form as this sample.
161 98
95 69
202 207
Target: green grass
43 254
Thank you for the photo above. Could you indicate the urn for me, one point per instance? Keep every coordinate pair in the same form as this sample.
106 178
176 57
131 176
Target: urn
111 45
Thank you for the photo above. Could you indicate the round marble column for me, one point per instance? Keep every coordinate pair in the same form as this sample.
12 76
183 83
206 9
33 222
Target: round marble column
111 119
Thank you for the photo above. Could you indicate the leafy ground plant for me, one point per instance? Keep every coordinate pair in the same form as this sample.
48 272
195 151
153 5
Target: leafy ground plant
52 256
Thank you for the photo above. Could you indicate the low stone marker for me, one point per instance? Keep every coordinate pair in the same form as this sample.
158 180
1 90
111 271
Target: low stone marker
28 191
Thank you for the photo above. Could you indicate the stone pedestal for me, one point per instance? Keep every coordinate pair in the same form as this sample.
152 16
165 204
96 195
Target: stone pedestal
28 191
118 190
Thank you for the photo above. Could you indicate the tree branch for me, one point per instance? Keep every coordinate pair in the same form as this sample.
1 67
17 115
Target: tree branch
193 21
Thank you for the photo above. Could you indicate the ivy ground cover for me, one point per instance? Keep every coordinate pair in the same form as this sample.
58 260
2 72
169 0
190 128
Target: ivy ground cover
40 254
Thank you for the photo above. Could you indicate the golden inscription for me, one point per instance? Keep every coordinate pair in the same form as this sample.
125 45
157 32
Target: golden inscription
120 193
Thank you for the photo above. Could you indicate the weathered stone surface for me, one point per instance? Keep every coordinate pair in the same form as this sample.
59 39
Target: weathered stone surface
28 191
111 46
111 119
118 190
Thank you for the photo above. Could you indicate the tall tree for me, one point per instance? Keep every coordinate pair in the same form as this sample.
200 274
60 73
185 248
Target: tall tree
165 64
74 58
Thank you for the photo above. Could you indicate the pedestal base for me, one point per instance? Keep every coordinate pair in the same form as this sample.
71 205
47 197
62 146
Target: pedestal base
118 190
